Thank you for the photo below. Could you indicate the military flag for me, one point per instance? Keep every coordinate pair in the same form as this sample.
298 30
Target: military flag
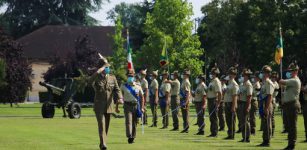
164 57
129 52
279 49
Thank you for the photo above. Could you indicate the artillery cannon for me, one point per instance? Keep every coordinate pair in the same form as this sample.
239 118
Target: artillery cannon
61 93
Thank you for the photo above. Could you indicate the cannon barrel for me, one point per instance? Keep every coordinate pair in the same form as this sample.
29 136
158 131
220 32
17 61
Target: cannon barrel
47 85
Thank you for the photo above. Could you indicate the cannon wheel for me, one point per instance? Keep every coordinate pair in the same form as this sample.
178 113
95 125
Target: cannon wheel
74 110
47 110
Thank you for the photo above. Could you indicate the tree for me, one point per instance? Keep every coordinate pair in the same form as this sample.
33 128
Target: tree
118 60
246 32
17 71
2 74
84 59
175 29
133 17
218 32
25 17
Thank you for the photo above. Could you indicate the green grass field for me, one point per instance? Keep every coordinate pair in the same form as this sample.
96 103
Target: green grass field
23 128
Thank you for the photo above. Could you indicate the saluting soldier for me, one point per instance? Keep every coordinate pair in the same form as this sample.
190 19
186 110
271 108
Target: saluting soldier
221 108
246 92
265 106
175 99
144 85
185 93
154 97
291 102
214 99
133 98
304 89
200 100
106 87
254 103
274 79
164 98
231 97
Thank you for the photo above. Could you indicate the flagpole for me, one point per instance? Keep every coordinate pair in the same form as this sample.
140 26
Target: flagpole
169 73
280 34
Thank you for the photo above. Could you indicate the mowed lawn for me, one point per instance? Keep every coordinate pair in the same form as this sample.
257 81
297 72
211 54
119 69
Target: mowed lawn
23 128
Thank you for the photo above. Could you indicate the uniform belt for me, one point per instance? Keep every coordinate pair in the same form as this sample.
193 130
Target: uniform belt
130 103
214 98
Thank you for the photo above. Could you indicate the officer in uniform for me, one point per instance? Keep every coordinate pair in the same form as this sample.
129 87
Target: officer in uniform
231 97
246 92
274 79
154 97
144 85
133 98
254 102
291 102
200 101
305 109
105 87
164 98
266 104
175 99
214 99
185 93
221 108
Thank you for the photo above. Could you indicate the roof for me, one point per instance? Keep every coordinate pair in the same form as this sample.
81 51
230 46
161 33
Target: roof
60 40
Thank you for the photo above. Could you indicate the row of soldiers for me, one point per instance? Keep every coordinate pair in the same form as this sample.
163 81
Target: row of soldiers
239 100
225 94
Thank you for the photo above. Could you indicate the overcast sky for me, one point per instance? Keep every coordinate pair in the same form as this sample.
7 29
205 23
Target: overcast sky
102 14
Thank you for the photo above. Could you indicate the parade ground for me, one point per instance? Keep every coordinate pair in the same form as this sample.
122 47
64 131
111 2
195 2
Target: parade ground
23 128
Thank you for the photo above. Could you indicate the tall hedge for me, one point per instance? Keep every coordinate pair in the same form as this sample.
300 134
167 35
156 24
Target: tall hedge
17 71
